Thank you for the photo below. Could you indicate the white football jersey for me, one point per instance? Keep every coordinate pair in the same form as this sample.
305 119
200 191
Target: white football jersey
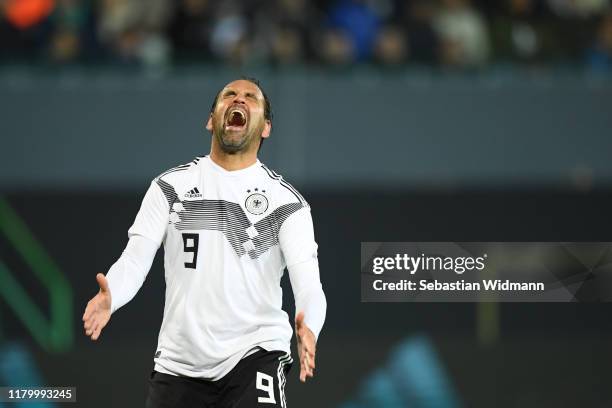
227 236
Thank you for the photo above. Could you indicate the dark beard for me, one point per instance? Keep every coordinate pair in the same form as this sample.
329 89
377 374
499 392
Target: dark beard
238 146
231 148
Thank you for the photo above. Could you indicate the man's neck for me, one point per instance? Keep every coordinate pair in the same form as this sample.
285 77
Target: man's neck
232 162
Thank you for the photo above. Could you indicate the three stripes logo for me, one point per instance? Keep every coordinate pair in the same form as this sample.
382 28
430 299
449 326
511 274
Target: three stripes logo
193 193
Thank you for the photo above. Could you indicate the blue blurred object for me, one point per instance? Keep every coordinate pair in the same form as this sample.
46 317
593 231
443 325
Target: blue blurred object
358 21
380 391
599 60
413 377
18 369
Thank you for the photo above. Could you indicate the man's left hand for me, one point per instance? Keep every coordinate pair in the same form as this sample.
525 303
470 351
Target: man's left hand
306 345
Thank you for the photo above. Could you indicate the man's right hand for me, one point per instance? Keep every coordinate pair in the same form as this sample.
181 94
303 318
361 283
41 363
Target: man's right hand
98 310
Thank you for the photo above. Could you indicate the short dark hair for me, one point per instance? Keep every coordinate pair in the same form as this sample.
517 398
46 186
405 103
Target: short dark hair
267 105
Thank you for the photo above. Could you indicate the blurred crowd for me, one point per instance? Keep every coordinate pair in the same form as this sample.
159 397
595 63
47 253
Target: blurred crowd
464 34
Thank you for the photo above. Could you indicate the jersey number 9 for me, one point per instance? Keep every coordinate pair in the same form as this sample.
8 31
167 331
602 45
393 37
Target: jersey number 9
190 245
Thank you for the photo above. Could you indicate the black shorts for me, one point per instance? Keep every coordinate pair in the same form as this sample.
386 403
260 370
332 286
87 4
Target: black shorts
257 380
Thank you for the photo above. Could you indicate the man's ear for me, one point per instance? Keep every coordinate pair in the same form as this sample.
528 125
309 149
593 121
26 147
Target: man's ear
209 123
267 129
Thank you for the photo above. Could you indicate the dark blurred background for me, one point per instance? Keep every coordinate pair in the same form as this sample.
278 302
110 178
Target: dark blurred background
448 120
453 34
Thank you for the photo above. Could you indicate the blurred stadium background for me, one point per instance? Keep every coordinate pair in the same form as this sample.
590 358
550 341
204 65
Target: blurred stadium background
448 120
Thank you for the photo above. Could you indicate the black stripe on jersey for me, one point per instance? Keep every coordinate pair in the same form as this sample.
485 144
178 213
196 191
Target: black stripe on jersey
216 215
282 362
274 176
290 187
268 228
263 166
198 158
287 184
172 170
229 218
168 191
181 166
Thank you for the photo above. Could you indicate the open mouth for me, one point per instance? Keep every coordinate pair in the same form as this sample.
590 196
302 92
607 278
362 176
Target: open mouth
236 119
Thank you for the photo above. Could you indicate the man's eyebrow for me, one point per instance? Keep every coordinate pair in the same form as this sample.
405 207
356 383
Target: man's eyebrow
252 92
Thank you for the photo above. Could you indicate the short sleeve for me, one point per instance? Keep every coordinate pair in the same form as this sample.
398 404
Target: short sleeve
152 218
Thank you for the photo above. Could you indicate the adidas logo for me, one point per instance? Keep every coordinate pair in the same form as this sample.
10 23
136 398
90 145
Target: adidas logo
193 193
